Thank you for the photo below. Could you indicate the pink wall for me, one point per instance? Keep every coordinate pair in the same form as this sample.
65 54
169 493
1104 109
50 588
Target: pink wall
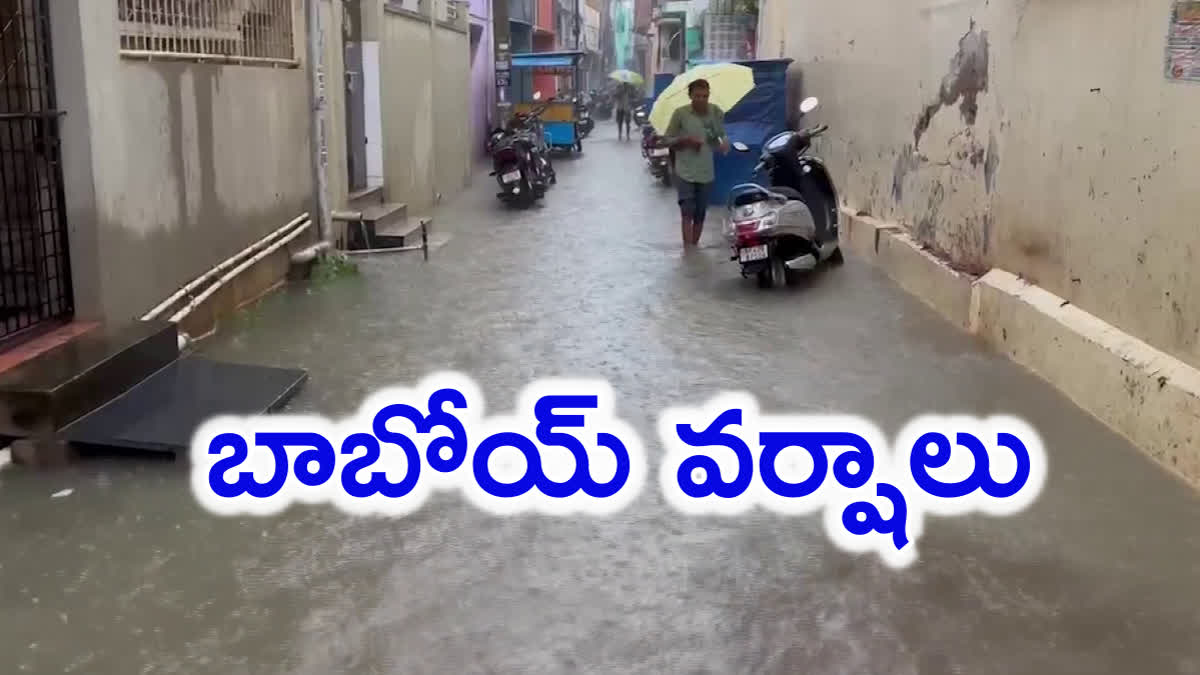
547 84
545 15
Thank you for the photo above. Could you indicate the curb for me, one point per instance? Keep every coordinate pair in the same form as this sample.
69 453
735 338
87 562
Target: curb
1149 397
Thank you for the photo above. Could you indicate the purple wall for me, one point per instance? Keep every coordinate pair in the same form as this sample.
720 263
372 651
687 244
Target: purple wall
483 90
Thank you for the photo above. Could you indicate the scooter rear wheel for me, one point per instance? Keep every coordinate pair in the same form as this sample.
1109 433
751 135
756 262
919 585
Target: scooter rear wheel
776 273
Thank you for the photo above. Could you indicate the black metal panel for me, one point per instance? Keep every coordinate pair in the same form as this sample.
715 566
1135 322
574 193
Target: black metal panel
35 269
162 413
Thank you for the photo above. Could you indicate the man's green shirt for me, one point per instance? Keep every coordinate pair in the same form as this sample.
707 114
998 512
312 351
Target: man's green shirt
696 166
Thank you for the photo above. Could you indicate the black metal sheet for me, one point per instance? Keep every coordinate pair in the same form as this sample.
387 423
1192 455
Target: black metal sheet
161 413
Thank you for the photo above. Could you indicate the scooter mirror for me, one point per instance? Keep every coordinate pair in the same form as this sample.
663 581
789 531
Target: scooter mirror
808 105
740 146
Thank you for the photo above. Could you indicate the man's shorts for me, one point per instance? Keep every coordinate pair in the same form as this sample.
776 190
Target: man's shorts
693 199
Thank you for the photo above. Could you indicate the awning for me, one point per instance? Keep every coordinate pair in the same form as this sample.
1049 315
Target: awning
546 59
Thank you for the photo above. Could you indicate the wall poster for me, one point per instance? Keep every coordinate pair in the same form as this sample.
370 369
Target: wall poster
1183 42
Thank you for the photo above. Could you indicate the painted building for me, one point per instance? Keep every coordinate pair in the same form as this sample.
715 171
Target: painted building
522 15
594 73
483 59
545 39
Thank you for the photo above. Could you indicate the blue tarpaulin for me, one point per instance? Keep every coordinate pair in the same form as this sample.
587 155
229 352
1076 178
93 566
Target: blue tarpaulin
756 118
661 82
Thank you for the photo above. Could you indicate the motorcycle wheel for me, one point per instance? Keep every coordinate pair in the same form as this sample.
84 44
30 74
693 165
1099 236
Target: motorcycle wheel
775 276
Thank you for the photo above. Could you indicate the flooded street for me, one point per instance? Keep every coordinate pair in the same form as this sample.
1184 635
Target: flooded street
126 575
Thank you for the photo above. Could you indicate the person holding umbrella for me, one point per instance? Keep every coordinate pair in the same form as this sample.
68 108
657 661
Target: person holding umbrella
624 107
692 133
624 98
690 115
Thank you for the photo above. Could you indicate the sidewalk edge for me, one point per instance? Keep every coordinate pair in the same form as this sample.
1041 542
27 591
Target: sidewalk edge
1147 396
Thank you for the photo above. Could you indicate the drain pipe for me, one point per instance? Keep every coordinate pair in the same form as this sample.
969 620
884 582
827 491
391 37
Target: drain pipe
316 94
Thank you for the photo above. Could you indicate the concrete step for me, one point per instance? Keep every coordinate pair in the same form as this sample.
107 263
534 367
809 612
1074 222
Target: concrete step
407 233
385 226
57 387
362 199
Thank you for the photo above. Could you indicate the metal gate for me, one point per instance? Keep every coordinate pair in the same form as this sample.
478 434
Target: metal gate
35 279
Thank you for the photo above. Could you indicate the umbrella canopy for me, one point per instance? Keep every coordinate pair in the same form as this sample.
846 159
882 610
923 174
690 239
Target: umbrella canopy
627 76
728 84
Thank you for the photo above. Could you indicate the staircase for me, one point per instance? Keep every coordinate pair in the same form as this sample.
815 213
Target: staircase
374 225
127 387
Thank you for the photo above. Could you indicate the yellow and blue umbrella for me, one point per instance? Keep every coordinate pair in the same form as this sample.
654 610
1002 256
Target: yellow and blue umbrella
628 77
728 84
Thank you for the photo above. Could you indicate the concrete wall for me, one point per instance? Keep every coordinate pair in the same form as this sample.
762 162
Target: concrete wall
424 69
333 22
1036 136
169 167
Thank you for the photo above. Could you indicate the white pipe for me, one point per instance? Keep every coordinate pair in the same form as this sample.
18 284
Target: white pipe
165 304
369 251
310 254
198 300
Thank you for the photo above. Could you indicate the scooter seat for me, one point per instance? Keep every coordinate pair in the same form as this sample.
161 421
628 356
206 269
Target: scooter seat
788 193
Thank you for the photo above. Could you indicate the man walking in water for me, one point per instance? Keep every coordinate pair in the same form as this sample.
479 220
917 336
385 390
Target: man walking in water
624 105
693 132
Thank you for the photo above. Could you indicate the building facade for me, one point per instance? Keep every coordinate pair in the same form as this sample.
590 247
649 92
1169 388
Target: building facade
483 87
167 143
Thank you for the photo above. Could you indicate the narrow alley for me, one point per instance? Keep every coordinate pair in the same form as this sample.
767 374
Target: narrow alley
127 575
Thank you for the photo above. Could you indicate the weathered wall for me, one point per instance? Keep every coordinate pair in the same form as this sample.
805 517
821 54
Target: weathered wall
424 69
451 96
1034 135
172 167
334 17
483 77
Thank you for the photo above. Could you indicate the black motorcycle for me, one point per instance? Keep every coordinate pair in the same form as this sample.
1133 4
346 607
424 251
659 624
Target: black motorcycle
793 223
520 161
583 110
657 154
641 116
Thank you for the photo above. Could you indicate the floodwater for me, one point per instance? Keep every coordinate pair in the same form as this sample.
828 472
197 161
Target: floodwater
125 575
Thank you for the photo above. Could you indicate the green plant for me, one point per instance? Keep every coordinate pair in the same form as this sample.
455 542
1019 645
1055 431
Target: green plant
333 265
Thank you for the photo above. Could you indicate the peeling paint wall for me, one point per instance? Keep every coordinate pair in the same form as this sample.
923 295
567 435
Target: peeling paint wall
1035 135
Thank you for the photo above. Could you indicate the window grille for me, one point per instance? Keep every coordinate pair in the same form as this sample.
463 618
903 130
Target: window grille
230 31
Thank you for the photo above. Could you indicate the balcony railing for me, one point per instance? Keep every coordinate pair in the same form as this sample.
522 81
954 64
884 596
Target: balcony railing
230 31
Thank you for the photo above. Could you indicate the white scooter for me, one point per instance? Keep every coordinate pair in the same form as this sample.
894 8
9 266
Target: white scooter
793 223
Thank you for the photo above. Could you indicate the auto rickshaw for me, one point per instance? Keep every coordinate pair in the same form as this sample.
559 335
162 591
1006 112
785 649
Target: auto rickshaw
560 119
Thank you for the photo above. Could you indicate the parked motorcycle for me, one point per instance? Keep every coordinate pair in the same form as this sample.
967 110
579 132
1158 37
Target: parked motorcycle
520 159
641 116
793 223
586 124
657 154
602 104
